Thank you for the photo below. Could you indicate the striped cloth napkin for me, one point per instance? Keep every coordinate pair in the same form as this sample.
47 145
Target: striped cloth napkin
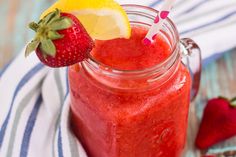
35 99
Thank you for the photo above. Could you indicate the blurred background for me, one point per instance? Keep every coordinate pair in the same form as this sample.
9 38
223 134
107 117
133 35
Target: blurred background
16 14
14 34
212 23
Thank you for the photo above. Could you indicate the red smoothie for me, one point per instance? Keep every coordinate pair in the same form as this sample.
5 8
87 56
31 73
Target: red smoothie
130 114
131 54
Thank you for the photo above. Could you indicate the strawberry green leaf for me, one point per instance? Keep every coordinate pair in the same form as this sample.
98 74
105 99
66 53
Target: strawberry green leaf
55 15
48 17
53 35
40 21
32 46
48 47
61 24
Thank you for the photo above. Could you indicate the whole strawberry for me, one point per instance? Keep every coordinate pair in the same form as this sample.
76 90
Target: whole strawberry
208 156
218 123
61 40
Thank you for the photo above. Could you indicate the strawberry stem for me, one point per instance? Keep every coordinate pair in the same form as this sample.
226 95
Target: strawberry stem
222 97
234 99
233 102
46 31
34 26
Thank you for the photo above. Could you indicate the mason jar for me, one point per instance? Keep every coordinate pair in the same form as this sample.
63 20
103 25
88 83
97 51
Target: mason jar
136 113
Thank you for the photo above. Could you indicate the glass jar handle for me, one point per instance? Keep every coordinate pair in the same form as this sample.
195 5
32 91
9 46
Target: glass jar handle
191 57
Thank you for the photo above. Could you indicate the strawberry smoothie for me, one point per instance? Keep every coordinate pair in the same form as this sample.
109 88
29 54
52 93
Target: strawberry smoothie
124 105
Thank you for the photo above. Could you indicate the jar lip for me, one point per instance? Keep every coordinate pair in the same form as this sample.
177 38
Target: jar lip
174 54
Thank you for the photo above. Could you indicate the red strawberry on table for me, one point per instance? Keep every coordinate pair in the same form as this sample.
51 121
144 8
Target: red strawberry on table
218 123
60 40
208 156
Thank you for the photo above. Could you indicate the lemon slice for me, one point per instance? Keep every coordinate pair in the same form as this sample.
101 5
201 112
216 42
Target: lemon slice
103 19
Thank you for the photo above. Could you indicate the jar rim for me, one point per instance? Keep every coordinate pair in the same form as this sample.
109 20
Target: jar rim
168 62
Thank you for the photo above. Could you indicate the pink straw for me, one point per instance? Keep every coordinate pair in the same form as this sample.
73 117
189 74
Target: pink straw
158 22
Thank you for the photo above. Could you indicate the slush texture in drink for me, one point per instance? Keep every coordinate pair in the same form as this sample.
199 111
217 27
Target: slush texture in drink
114 116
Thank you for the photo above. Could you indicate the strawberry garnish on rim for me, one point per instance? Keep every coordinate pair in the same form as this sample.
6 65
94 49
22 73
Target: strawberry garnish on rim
60 40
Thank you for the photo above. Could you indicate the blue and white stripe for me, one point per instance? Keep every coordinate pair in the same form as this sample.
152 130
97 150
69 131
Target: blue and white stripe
35 99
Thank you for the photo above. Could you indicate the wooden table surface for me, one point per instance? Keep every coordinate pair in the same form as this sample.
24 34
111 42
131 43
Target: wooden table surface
218 78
